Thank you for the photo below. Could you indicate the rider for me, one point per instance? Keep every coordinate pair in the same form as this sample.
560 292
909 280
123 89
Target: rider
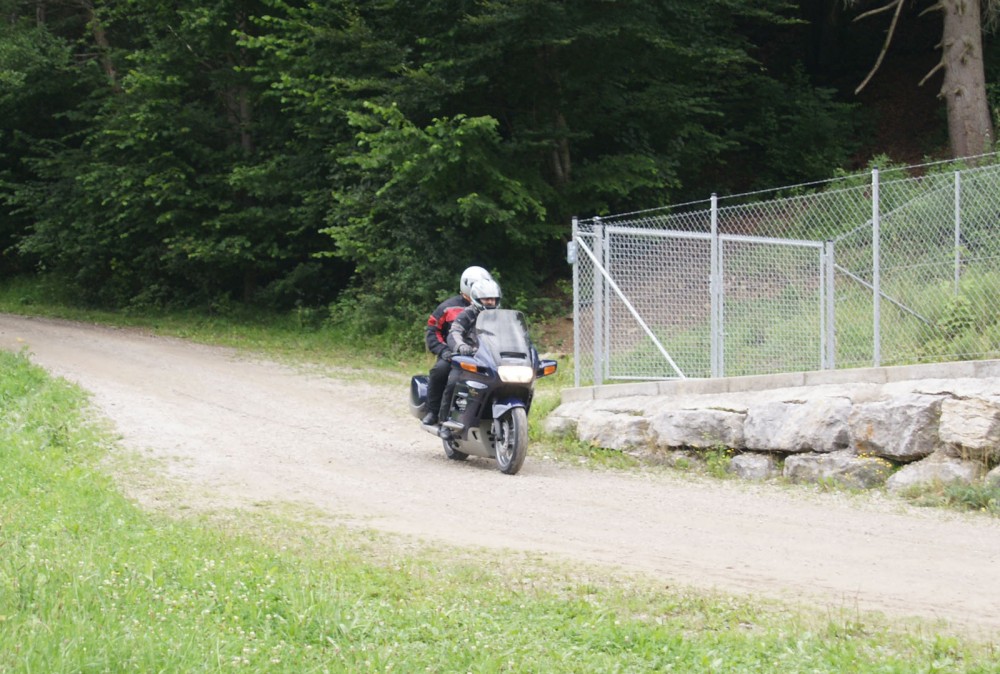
436 338
485 295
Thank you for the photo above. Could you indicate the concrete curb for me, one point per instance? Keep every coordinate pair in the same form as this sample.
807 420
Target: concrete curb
977 369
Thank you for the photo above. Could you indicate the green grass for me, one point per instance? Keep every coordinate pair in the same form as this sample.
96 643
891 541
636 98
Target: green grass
296 336
981 498
89 582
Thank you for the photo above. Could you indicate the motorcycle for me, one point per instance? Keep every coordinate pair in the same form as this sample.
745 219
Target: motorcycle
489 410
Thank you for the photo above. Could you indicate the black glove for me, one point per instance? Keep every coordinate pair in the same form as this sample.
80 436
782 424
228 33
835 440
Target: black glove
466 350
445 354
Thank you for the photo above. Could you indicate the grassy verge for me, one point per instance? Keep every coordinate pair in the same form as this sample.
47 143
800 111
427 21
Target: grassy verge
91 583
981 498
295 336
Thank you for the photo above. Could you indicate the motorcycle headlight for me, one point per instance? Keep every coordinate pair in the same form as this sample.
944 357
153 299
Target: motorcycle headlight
515 374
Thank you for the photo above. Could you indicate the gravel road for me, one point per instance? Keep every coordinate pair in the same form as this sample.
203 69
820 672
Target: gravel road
239 432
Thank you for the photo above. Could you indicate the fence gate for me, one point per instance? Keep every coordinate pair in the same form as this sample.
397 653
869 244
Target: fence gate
658 303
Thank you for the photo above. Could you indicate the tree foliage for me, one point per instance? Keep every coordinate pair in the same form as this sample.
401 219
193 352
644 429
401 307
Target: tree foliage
363 153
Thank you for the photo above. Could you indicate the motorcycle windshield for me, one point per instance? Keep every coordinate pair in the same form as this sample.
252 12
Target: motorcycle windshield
504 334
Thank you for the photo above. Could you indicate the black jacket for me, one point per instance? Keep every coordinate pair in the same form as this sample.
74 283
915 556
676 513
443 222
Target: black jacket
439 322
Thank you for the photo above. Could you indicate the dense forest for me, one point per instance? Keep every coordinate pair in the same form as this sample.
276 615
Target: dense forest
354 156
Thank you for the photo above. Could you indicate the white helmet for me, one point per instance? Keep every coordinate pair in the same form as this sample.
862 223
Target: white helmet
483 291
469 278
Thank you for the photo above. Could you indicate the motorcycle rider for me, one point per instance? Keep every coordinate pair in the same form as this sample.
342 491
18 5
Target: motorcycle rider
484 295
436 338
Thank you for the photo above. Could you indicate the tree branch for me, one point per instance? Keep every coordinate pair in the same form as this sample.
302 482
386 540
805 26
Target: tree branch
939 66
878 10
898 4
936 7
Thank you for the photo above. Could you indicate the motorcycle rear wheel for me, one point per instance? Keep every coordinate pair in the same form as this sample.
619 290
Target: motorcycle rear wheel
511 442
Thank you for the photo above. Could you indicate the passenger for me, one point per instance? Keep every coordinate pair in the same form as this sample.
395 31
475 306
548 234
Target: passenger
436 338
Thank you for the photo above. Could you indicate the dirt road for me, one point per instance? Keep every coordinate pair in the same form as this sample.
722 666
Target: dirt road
241 432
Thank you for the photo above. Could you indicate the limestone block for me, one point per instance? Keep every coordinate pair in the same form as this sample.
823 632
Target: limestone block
811 425
992 478
843 467
559 426
971 427
903 428
612 430
936 469
754 467
702 428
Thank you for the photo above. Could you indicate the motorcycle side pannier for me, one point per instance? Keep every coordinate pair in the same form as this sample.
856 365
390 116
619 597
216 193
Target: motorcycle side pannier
418 395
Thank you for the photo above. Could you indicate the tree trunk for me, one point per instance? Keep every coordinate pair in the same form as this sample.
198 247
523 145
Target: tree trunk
549 79
561 154
103 46
970 129
244 106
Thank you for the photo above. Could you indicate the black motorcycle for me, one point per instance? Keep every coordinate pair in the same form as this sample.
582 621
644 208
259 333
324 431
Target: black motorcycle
489 410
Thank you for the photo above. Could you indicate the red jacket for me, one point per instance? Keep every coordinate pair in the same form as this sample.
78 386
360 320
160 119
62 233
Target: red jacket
439 322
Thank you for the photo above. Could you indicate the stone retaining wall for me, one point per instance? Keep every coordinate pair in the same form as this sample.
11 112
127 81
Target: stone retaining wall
894 426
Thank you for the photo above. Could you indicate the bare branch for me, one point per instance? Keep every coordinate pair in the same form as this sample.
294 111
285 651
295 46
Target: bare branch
936 7
885 46
939 66
878 10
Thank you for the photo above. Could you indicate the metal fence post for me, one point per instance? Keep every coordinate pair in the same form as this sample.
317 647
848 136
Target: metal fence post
598 304
958 228
576 302
876 275
828 322
715 293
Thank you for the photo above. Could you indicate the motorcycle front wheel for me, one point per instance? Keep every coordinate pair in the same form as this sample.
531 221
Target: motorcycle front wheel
511 441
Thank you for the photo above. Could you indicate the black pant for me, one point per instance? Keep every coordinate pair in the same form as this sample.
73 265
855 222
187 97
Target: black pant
436 380
449 391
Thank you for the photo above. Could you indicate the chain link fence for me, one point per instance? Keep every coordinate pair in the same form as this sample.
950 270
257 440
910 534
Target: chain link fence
874 269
